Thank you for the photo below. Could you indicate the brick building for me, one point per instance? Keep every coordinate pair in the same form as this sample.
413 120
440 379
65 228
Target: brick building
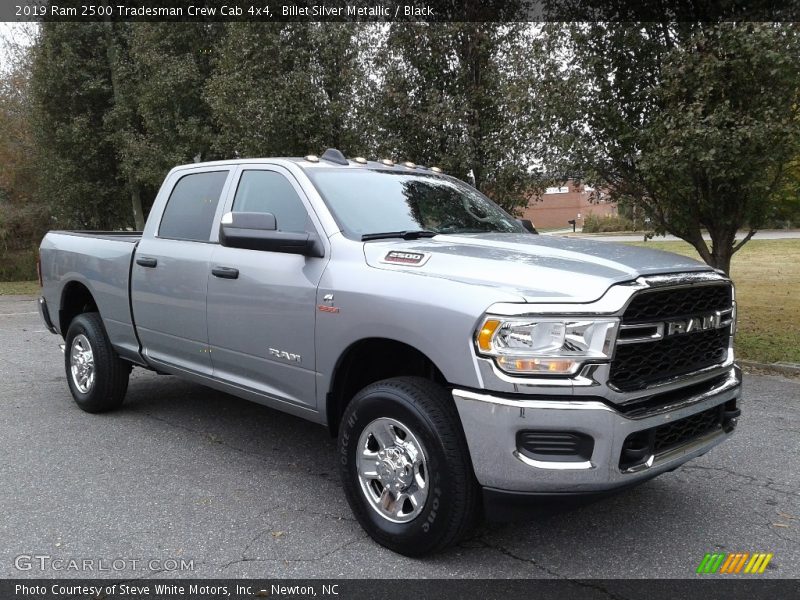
558 205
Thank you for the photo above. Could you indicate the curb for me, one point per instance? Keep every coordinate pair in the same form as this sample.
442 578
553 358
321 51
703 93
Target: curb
786 369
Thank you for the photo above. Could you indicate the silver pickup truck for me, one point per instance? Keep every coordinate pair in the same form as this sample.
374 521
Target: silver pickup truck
465 364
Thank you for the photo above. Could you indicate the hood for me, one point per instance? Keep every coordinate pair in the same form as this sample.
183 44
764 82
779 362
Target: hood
538 268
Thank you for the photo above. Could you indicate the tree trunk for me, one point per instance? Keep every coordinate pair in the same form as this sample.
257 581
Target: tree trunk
136 196
722 259
136 205
721 248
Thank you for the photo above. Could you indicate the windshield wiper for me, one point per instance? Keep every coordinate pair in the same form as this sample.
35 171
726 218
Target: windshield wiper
406 235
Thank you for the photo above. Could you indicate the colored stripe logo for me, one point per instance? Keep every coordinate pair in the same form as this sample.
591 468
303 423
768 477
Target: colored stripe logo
737 562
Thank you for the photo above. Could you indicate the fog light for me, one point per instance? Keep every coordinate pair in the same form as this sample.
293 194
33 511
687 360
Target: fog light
555 446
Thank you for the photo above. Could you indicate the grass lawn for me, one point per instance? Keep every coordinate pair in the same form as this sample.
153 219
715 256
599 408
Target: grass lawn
30 288
767 278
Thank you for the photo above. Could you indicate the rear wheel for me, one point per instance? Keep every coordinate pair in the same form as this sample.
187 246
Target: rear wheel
405 466
97 377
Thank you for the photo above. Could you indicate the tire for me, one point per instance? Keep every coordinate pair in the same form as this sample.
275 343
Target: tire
101 377
420 416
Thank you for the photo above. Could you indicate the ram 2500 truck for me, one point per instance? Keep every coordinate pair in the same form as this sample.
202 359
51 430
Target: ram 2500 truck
462 361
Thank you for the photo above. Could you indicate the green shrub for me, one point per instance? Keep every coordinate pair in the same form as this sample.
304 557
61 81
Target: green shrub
18 265
597 224
22 227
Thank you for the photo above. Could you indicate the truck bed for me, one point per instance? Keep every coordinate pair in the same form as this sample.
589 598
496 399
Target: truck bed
101 262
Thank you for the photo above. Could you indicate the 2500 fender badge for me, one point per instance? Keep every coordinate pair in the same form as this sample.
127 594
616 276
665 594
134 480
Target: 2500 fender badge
400 257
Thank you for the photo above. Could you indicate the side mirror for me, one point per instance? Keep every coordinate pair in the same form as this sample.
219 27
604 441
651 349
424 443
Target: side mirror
258 231
526 223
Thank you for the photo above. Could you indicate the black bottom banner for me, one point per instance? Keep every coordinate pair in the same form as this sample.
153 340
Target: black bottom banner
401 589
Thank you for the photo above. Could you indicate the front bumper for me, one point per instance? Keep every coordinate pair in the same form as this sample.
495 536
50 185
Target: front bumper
491 424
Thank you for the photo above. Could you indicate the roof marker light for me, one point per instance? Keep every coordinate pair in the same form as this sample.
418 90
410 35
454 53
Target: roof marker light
436 169
360 160
388 162
312 158
409 164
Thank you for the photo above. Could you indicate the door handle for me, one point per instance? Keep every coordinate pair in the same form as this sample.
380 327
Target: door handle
225 272
146 261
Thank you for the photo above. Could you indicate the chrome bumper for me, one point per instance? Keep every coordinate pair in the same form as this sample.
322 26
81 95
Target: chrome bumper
491 424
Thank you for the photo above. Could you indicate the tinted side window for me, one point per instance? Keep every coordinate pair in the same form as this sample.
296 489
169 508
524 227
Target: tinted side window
271 192
190 209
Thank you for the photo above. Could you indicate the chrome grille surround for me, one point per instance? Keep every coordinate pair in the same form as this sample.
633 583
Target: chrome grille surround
593 379
676 331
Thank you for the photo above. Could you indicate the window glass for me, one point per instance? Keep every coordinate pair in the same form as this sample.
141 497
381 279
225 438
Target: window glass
271 192
190 210
369 201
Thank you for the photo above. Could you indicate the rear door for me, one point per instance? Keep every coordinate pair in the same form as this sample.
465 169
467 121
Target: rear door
262 305
170 272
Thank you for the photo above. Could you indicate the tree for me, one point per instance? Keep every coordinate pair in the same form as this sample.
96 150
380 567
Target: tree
116 106
122 117
159 116
786 212
22 219
291 89
71 87
454 95
17 171
694 123
342 70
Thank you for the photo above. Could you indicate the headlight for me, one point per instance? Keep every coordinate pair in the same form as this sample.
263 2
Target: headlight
546 345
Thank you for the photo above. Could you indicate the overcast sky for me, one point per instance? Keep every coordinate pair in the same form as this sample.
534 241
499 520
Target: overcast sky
12 34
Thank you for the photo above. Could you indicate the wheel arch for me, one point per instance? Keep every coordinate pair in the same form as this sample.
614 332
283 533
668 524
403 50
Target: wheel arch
372 359
76 298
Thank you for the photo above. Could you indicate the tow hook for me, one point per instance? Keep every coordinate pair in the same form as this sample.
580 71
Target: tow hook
730 415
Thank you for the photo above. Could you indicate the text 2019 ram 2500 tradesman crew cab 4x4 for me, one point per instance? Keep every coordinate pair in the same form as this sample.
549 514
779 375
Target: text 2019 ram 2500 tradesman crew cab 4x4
461 360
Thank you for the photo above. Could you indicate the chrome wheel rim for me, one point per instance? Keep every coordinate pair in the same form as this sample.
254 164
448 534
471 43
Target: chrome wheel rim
392 470
81 363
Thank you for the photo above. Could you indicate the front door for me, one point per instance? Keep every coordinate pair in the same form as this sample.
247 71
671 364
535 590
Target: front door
261 305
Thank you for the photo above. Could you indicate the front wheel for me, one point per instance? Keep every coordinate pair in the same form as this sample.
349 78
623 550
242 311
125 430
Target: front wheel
97 377
405 466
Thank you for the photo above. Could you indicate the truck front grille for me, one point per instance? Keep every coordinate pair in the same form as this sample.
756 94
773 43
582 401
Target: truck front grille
638 446
684 430
658 305
641 364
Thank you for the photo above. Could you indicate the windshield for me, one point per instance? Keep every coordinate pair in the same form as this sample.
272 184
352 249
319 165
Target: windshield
367 201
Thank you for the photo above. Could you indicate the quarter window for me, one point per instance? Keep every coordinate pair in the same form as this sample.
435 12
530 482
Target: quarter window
191 207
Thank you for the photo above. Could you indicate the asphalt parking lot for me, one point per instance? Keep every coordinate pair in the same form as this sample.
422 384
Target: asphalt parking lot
239 490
